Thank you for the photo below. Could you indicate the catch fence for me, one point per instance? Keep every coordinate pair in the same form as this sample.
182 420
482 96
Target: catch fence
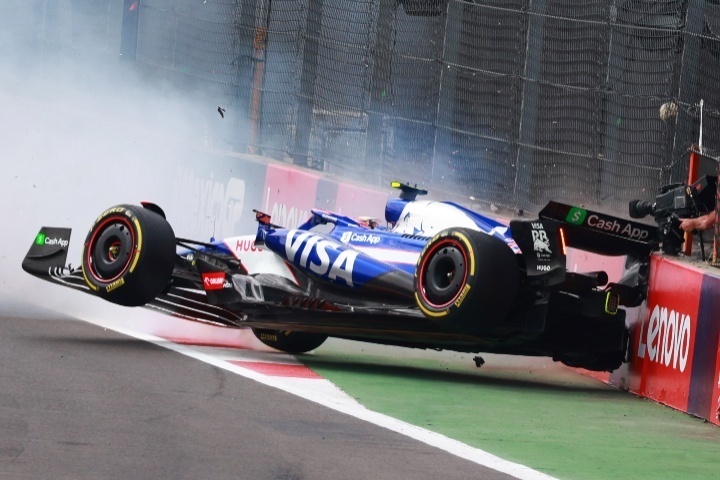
510 102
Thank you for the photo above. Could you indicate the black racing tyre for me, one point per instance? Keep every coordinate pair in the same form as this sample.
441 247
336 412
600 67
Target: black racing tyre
466 280
290 341
129 255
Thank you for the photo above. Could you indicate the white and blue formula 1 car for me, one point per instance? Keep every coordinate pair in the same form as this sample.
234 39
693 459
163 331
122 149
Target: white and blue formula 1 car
438 276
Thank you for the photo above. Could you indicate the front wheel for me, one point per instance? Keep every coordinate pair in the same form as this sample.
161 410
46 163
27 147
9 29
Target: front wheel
129 255
466 280
290 341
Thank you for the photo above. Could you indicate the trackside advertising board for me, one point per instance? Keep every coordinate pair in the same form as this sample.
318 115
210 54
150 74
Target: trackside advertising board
714 413
705 384
664 338
355 201
675 351
289 195
215 197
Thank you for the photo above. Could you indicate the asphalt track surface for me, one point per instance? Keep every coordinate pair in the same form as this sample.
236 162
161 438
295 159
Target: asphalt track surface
531 411
82 402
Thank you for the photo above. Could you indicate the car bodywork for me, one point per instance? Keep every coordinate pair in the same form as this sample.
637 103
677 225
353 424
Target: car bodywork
438 276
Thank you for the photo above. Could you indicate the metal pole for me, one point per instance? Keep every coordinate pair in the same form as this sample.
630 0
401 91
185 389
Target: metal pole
693 169
258 80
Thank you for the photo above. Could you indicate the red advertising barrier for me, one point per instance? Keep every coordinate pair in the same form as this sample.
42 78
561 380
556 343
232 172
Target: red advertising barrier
664 338
714 412
289 195
582 261
704 399
675 348
675 354
355 201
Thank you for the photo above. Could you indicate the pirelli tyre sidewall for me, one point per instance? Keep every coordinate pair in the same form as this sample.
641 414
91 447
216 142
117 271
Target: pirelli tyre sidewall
290 341
129 255
466 280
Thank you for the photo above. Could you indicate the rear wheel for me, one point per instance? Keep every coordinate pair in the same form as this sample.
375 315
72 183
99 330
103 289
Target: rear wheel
290 341
129 255
466 279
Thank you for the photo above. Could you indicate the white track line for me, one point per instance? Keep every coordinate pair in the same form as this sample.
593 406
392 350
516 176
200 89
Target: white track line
325 393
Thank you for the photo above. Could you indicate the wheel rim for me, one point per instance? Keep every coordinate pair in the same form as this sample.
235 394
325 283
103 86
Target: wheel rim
110 250
443 273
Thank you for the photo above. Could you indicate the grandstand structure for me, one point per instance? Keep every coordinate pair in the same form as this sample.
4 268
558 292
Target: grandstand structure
510 102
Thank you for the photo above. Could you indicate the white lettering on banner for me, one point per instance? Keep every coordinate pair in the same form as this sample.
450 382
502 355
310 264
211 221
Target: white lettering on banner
667 339
211 204
307 244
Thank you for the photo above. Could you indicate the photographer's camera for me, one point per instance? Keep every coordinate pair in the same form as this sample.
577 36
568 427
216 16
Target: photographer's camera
676 201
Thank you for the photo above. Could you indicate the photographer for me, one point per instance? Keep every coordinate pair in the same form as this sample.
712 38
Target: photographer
703 222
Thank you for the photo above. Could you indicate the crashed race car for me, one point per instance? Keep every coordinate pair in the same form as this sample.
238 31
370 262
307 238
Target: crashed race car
436 276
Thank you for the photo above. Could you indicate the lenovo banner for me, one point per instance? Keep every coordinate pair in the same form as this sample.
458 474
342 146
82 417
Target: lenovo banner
289 195
355 201
664 337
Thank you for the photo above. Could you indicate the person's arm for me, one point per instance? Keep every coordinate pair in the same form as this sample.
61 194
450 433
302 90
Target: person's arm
702 222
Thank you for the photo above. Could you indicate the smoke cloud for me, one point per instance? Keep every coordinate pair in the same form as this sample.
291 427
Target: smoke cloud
81 131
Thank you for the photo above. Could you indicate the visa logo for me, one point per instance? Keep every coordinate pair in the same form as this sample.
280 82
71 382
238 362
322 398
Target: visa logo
320 256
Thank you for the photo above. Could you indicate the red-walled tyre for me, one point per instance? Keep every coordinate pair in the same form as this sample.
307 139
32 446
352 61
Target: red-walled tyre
466 280
290 341
129 255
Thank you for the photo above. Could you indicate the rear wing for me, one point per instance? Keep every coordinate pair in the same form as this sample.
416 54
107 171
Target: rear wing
601 233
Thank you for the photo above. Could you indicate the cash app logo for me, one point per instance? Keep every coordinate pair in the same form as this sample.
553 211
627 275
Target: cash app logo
40 239
576 216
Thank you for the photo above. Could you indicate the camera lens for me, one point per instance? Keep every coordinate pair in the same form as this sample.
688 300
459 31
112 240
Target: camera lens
640 209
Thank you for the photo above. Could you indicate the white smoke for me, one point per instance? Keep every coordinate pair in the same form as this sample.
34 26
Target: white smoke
78 136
